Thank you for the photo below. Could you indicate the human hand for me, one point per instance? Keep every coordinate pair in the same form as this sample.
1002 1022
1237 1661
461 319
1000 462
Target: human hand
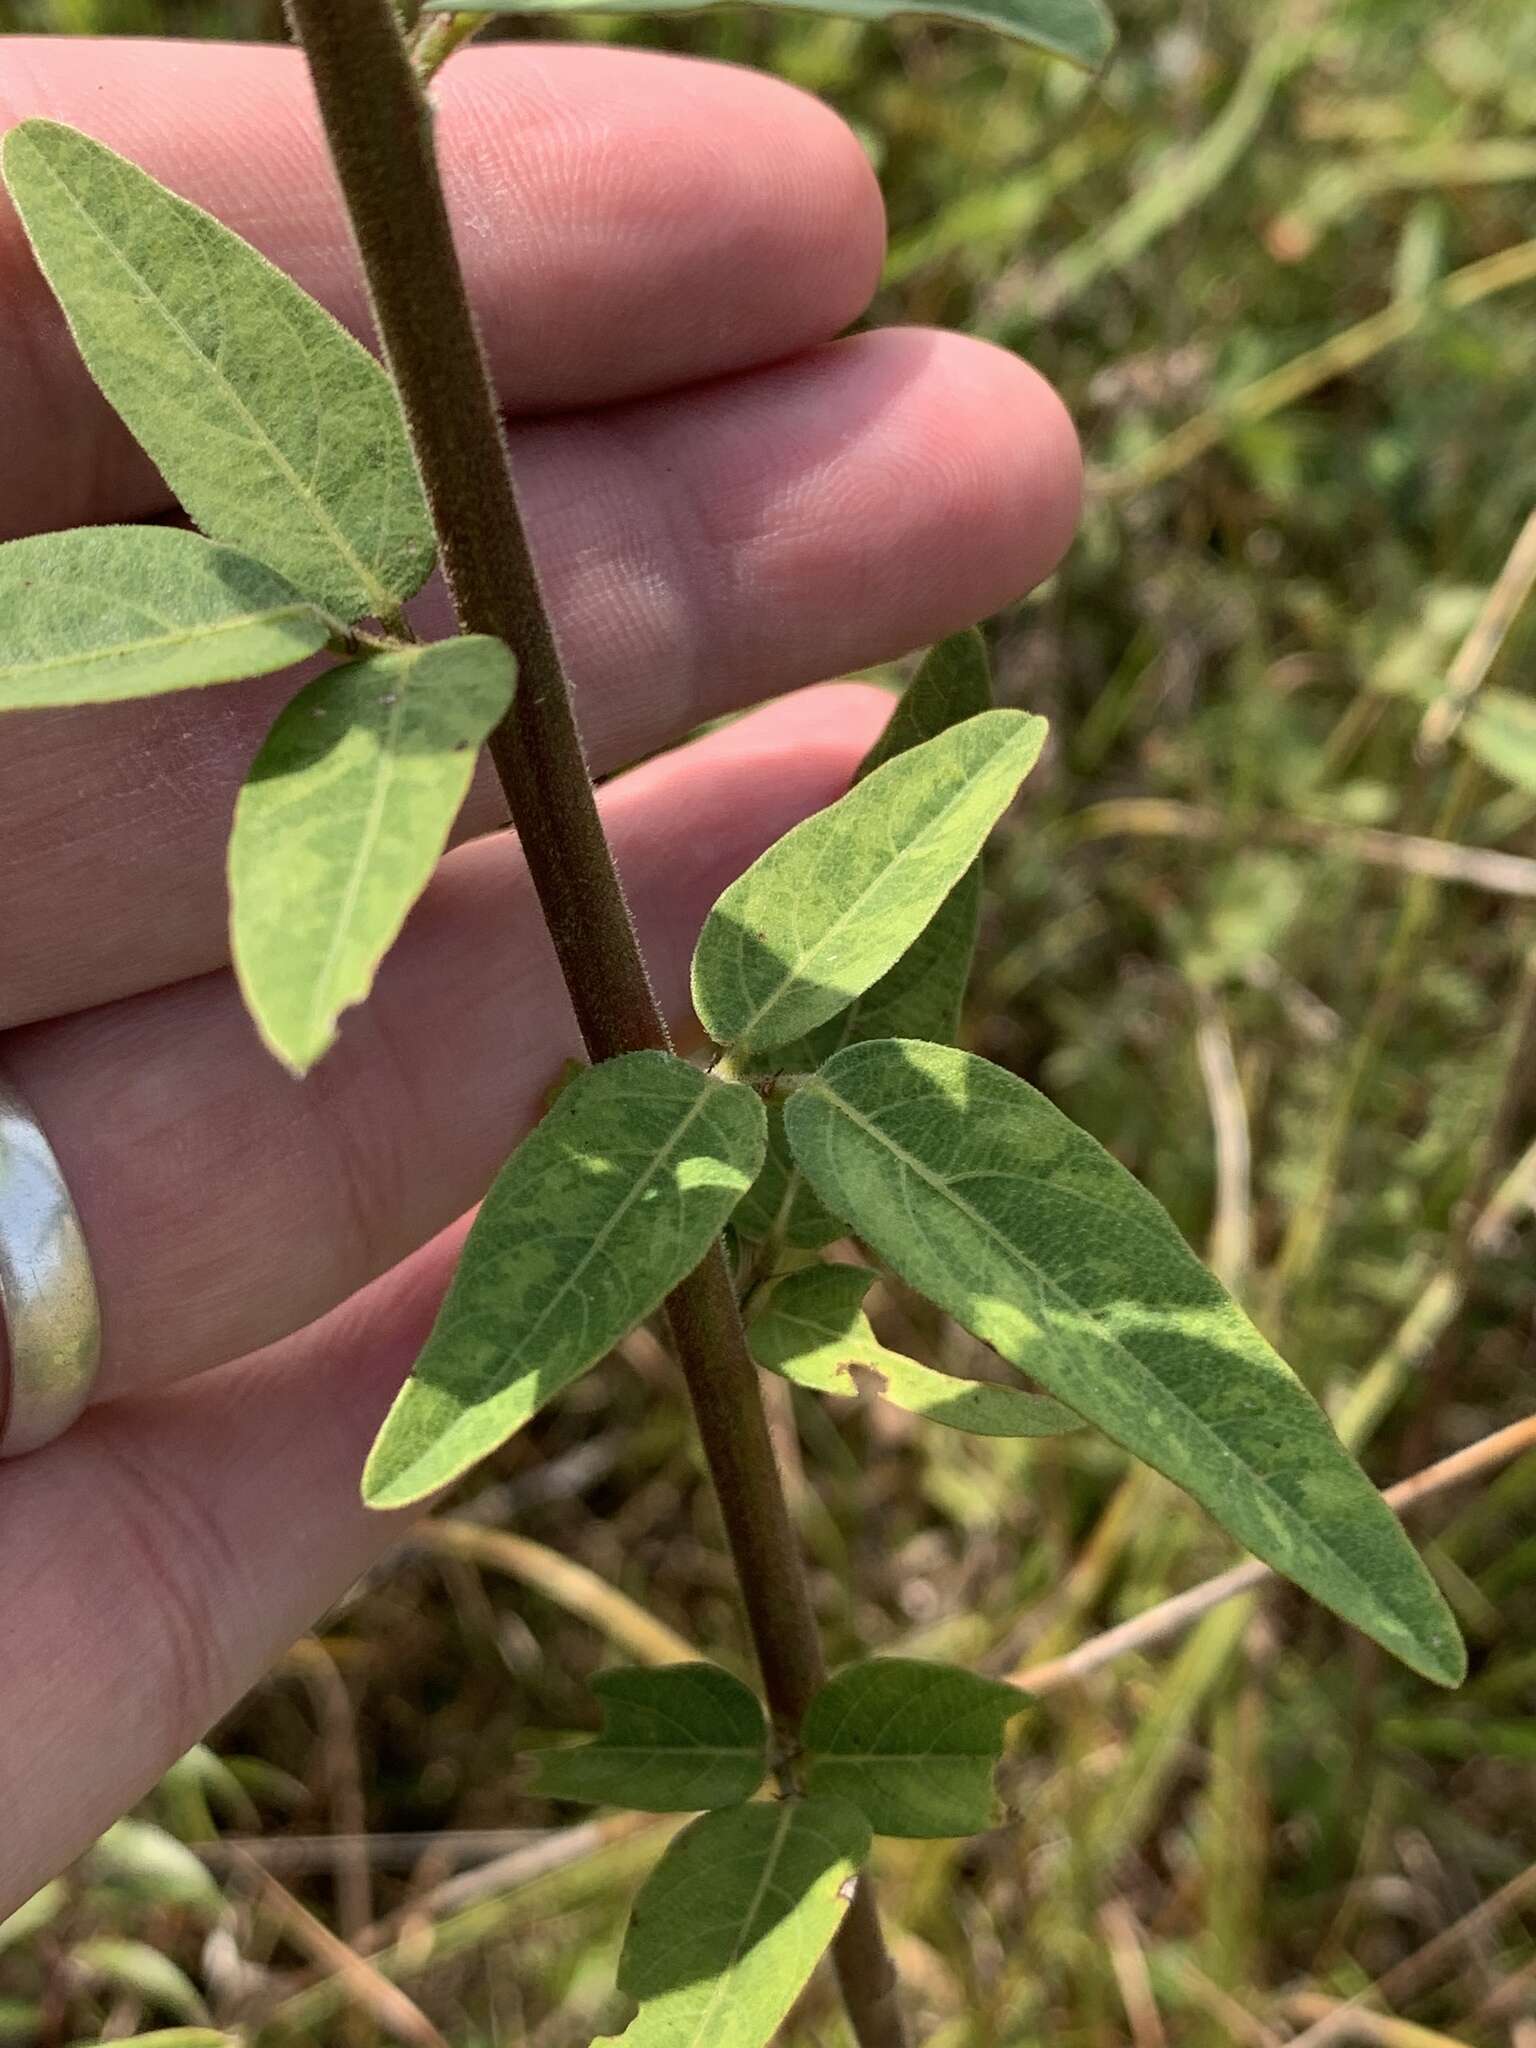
725 505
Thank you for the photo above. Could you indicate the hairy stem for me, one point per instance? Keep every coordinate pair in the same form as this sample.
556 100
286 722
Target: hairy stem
379 130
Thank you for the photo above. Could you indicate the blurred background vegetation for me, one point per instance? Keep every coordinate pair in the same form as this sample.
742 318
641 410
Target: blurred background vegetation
1280 262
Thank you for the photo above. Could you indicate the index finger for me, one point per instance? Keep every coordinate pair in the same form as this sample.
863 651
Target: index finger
628 222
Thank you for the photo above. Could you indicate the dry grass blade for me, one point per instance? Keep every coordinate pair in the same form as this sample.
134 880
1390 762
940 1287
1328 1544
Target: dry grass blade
1438 860
1128 1960
1480 650
343 1780
1170 1617
1414 1972
384 2003
1318 366
571 1586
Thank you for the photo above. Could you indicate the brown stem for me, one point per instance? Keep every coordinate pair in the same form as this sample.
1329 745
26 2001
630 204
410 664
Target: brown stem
379 130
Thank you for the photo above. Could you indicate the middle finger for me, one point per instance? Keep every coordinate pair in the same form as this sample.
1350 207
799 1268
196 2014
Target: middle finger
699 552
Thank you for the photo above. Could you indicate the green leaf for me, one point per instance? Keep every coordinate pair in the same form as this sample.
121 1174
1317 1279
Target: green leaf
33 1915
984 1197
675 1739
611 1200
108 612
834 905
341 823
277 431
154 1866
732 1921
135 1967
1080 30
1500 729
779 1200
953 683
913 1746
810 1327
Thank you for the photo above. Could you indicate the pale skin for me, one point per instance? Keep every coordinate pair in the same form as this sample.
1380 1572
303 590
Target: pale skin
727 503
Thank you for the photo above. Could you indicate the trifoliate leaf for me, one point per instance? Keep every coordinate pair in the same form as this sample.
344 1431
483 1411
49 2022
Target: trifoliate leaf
953 683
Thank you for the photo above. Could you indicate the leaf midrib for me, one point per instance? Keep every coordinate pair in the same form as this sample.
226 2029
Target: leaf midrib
797 971
383 598
176 636
1198 1424
748 1921
636 1190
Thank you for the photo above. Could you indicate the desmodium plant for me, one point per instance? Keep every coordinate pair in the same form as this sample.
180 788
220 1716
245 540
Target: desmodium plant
829 978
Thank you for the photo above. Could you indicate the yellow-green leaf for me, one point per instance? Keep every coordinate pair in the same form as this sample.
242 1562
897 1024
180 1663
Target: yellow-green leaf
732 1921
611 1200
108 612
983 1196
834 905
342 821
1500 729
277 431
811 1328
676 1738
1079 30
953 683
914 1746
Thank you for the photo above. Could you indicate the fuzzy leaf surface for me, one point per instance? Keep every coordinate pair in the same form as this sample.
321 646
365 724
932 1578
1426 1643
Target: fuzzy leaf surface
1079 30
984 1197
109 612
914 1746
730 1924
677 1738
811 1328
604 1207
953 683
834 905
277 431
1500 729
341 822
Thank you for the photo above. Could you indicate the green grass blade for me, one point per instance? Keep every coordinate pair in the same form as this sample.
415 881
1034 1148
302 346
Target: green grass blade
1079 30
110 612
732 1921
810 1327
341 823
676 1738
277 431
834 905
914 1746
614 1197
982 1195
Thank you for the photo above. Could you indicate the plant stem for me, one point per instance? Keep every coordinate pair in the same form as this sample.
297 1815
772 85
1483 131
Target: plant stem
379 130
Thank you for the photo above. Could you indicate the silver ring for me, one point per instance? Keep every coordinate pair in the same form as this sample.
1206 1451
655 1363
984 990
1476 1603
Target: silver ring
47 1289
